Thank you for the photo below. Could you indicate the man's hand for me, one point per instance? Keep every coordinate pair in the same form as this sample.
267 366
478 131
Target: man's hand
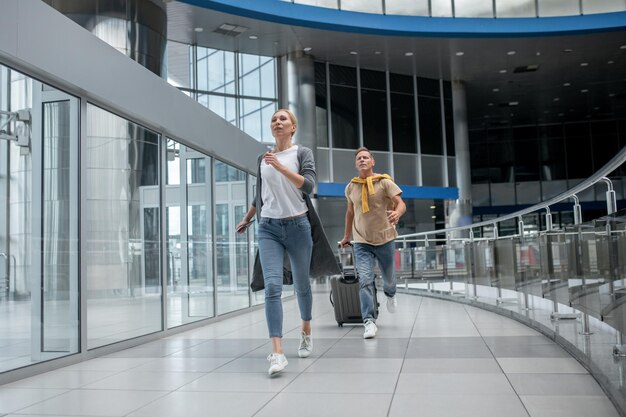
344 242
393 217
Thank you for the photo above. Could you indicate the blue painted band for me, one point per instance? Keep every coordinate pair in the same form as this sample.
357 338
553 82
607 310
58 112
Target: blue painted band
393 25
336 189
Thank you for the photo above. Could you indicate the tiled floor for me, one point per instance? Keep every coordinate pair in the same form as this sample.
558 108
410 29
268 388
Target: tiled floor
431 358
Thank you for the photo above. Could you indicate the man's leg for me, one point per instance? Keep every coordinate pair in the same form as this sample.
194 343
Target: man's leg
364 262
385 254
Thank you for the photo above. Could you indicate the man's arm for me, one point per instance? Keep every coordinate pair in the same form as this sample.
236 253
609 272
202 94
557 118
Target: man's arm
399 209
348 225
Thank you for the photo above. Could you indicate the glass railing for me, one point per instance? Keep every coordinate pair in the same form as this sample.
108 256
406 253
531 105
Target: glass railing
568 282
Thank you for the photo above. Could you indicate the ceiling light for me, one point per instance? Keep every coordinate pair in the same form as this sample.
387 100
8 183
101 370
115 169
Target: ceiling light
354 53
307 49
408 54
566 84
432 207
584 90
198 29
611 94
253 37
622 47
555 99
495 90
460 53
561 114
584 64
433 217
610 62
502 71
545 112
377 52
538 54
490 104
511 53
230 29
567 50
596 108
513 103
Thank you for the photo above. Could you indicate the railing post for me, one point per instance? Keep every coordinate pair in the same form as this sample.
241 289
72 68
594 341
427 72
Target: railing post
520 224
472 266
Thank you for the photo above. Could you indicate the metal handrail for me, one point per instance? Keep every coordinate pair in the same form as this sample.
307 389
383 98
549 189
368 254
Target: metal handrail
599 175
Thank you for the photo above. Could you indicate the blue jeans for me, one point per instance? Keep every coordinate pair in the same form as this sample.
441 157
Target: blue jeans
365 255
275 237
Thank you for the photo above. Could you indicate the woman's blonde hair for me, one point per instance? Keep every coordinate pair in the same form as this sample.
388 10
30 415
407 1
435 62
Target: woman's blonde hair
292 117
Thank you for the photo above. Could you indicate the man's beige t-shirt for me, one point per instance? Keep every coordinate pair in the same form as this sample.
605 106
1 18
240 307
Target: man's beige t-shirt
373 227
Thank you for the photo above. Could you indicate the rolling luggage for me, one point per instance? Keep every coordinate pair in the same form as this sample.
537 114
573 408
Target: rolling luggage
344 291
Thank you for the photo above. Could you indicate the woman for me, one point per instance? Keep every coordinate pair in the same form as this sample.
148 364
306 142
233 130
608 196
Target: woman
286 175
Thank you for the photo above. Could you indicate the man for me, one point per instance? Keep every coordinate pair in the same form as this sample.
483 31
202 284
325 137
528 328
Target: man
374 208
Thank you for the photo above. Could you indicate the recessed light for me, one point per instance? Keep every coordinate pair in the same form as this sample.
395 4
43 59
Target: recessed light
198 29
511 53
512 114
561 114
555 99
584 90
596 108
513 103
611 94
566 84
490 104
495 90
432 207
568 50
584 64
502 71
253 37
545 112
307 49
354 53
460 53
408 54
433 217
622 47
610 62
538 54
377 52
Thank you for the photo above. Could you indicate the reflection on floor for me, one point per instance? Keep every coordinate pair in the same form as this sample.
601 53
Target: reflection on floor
431 358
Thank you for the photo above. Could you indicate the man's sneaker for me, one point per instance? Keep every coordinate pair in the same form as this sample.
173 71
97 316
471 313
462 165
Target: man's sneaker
392 303
278 362
306 345
370 329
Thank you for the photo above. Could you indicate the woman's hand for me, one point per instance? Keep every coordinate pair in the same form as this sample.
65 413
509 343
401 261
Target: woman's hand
270 159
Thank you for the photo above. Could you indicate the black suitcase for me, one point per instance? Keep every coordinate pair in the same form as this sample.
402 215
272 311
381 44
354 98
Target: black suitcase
344 291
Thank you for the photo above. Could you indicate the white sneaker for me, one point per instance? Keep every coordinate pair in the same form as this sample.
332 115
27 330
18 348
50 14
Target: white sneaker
306 345
392 303
278 362
370 329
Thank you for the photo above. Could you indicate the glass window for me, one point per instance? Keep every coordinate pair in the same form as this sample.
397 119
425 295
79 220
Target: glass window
122 256
344 107
179 65
374 111
559 7
473 8
604 6
216 70
578 148
428 87
231 248
403 124
441 8
433 171
375 80
526 146
552 150
321 3
515 8
369 6
430 125
604 143
407 7
321 105
340 75
401 83
405 169
449 124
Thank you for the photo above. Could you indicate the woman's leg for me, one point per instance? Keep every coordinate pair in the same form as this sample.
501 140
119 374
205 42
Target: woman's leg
271 254
299 246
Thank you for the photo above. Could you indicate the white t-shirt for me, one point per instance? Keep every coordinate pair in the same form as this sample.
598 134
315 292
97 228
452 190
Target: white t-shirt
281 198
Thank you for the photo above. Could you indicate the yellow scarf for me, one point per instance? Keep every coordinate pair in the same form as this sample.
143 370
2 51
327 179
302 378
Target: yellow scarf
368 185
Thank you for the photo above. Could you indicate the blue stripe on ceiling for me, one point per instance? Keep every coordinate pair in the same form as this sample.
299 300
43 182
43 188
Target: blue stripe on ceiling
336 189
391 25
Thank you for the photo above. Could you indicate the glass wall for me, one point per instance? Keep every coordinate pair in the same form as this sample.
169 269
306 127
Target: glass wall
121 233
366 110
38 221
472 8
240 88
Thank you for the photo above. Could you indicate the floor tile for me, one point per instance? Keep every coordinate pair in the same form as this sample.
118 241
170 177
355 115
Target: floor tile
145 380
555 384
203 404
14 399
61 379
379 383
327 405
454 384
240 382
568 406
94 403
541 366
451 366
360 365
404 405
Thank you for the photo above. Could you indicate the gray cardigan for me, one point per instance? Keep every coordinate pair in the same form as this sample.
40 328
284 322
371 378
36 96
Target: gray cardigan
323 261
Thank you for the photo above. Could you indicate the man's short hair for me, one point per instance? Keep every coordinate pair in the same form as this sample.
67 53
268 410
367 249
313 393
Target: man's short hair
362 149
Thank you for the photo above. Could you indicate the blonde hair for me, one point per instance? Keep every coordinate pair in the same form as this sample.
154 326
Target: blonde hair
292 117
